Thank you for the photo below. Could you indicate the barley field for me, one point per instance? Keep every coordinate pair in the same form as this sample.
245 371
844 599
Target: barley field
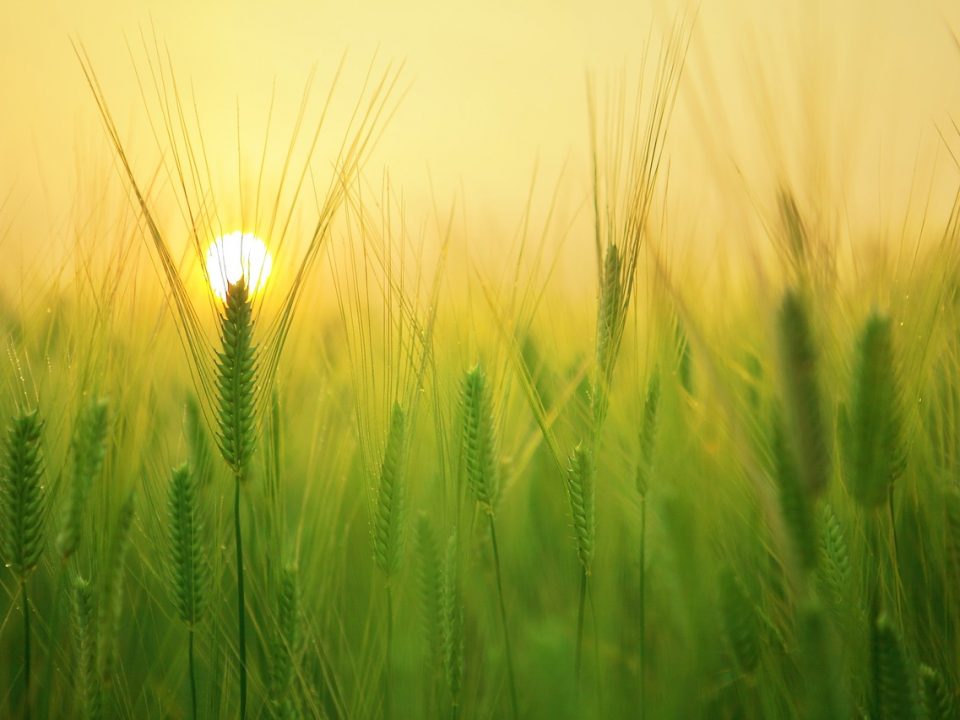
626 389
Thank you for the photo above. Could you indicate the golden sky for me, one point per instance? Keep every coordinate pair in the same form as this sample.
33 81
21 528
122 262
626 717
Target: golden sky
839 97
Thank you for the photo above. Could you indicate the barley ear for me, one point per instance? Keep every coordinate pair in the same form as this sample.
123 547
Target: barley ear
85 650
608 312
22 507
893 685
937 699
833 571
429 581
796 234
648 432
479 439
189 565
581 492
796 506
451 621
804 421
236 381
286 645
740 621
876 452
88 448
111 604
388 535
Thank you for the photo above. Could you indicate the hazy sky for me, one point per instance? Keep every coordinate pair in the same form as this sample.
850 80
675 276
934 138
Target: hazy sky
772 88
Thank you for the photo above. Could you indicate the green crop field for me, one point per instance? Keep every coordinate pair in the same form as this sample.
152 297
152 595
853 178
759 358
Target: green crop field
409 475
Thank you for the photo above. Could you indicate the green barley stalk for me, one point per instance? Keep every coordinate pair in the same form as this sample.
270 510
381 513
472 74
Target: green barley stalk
85 642
88 448
871 434
388 535
479 441
824 694
236 418
111 605
937 699
893 691
451 624
796 506
428 586
803 415
648 433
625 178
285 649
22 516
875 451
480 455
581 493
189 564
740 621
580 475
834 571
648 438
608 330
794 233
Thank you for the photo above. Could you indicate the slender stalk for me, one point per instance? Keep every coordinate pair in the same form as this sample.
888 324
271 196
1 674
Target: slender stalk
387 704
596 651
503 619
193 678
580 493
642 602
241 608
875 590
54 631
581 606
26 649
895 557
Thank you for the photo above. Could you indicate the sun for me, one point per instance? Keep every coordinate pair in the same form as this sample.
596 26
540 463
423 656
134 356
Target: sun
238 255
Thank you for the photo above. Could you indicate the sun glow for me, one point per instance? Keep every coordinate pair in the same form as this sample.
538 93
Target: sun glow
238 255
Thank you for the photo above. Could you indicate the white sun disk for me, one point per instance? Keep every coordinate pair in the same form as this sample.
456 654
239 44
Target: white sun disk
234 256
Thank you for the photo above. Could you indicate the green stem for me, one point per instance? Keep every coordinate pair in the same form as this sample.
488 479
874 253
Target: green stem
875 590
503 619
26 649
54 632
895 558
642 609
596 651
241 611
193 678
387 705
581 604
